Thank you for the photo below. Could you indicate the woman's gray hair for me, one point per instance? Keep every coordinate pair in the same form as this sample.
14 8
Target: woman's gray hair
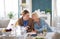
35 13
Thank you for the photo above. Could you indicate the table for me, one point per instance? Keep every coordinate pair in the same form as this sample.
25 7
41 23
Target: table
48 36
7 37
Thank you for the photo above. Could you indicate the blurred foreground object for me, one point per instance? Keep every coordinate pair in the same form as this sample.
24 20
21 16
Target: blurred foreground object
56 36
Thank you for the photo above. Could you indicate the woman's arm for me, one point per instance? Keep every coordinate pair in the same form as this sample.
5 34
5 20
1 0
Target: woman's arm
45 25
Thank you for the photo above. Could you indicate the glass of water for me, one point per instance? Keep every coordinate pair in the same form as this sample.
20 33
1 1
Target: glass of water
23 32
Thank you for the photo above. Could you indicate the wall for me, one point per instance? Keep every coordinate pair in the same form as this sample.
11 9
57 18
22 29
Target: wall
7 6
41 4
58 7
11 6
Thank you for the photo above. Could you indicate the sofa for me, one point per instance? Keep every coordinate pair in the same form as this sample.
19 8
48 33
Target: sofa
4 23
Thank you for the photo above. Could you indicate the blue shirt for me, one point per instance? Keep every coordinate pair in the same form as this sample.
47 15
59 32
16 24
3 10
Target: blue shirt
25 22
42 25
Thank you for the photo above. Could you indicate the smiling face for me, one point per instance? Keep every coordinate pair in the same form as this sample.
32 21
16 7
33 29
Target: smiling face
35 17
26 16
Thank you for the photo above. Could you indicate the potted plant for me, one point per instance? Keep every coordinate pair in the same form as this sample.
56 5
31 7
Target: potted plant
10 15
47 11
44 32
39 38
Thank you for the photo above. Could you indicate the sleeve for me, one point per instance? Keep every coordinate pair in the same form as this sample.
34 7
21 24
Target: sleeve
35 27
32 25
45 25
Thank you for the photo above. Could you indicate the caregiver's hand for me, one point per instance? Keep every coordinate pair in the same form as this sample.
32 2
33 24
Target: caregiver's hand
26 27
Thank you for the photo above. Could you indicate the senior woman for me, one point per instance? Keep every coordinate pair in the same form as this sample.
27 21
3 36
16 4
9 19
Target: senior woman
40 24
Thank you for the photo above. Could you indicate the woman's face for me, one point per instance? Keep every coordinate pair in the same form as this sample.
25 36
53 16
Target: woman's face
26 16
34 17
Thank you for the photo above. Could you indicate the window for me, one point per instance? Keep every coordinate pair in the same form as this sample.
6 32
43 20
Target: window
7 6
1 9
